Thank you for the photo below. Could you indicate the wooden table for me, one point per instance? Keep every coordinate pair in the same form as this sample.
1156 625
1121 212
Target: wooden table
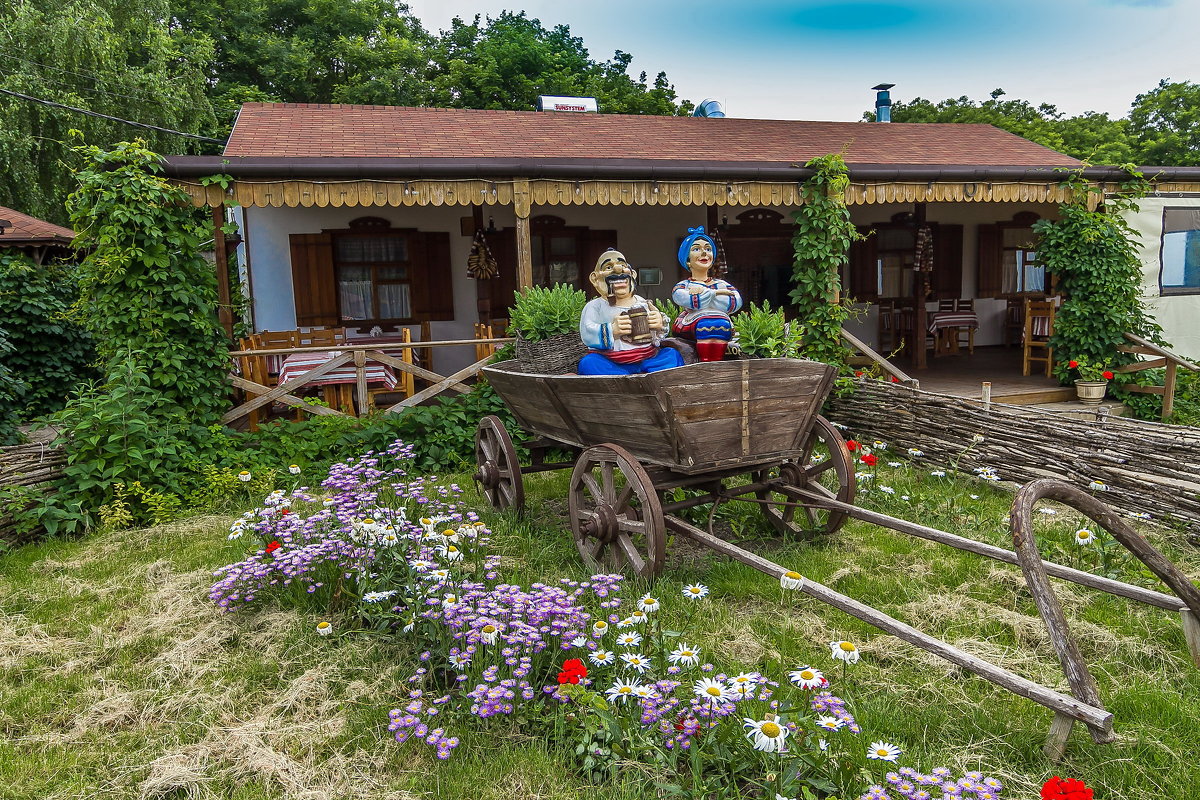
945 325
338 384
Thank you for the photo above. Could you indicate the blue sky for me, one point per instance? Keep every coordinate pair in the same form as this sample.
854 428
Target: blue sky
818 59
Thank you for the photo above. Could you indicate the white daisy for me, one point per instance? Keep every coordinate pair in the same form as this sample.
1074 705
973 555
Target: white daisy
389 539
638 617
602 658
977 438
695 592
376 597
599 627
937 473
742 691
294 469
579 641
912 451
1139 515
459 660
878 445
1098 486
324 628
791 580
829 723
642 690
844 651
974 497
685 655
708 689
449 600
1050 511
887 490
1084 536
244 476
622 690
629 639
648 603
766 734
450 553
882 751
751 679
489 633
636 661
895 464
807 678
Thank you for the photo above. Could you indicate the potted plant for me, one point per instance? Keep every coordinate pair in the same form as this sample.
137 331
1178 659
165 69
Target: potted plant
1091 380
545 323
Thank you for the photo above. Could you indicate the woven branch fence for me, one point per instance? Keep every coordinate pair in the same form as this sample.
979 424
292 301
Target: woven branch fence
1148 467
36 466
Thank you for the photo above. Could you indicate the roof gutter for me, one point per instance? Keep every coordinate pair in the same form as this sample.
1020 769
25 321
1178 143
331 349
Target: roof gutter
309 168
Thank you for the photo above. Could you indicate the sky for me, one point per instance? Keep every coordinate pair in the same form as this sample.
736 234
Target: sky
818 59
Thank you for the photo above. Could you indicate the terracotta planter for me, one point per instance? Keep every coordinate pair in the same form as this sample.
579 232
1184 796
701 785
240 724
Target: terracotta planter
1091 392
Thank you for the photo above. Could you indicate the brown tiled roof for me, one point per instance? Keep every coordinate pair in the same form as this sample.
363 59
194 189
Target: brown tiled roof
296 130
30 230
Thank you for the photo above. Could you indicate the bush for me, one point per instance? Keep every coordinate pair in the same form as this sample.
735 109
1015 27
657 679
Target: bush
12 393
51 353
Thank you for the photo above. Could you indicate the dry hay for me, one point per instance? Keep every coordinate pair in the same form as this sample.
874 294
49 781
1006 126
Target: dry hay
21 640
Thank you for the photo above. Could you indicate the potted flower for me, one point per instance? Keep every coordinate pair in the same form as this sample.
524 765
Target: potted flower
545 322
1091 381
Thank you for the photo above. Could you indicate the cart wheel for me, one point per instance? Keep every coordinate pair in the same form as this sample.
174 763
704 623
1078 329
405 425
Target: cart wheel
499 474
826 467
616 519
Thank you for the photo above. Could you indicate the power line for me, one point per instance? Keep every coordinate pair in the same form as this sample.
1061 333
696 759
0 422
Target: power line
106 116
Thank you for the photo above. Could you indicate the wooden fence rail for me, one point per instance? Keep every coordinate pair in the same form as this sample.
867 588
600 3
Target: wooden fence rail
1146 467
359 356
35 466
1160 358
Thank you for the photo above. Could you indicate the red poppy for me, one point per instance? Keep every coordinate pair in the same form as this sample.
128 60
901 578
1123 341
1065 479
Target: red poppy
285 511
1108 376
852 445
273 546
1072 363
1065 789
858 373
572 670
870 459
895 379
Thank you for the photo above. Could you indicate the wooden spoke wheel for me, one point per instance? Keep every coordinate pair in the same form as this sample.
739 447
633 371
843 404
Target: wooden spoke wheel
498 473
616 518
825 467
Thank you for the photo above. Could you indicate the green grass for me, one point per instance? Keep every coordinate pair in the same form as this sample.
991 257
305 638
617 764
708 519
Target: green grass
119 679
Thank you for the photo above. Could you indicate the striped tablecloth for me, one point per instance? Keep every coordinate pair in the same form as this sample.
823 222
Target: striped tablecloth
940 320
297 364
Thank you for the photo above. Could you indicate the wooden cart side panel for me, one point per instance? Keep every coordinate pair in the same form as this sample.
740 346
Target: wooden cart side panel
631 419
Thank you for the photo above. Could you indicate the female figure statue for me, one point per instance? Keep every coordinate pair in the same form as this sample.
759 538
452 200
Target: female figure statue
706 301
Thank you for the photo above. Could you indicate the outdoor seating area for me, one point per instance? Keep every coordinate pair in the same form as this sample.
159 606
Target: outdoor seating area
321 370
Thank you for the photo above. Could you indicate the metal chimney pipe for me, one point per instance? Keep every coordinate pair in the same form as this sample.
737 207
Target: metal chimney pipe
883 102
709 108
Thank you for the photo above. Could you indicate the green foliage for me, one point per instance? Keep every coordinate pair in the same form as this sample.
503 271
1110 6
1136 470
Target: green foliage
538 313
510 60
766 333
51 353
822 247
12 393
145 288
1094 255
116 58
1165 124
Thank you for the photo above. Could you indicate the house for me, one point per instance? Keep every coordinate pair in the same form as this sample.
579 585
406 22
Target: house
364 216
40 240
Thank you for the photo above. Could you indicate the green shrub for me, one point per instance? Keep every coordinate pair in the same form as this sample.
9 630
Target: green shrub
763 333
537 313
51 353
12 393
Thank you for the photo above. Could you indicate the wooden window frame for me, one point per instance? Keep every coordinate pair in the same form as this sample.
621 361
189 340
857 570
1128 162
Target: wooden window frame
378 227
1171 291
995 261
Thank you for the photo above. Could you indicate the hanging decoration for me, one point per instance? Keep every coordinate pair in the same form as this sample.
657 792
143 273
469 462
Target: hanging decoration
481 263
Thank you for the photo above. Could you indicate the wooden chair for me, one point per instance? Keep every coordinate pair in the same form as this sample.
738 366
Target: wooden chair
947 304
253 369
1039 327
319 337
887 337
1014 321
483 331
964 305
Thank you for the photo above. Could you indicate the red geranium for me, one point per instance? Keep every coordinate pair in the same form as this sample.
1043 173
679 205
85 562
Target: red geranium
858 373
572 670
1065 789
852 445
1073 364
895 379
273 546
870 459
1108 376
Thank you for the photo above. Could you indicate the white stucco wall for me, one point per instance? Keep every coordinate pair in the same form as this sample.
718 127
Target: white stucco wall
1179 315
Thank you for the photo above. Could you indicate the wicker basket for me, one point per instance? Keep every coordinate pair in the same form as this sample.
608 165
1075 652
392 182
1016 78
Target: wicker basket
557 355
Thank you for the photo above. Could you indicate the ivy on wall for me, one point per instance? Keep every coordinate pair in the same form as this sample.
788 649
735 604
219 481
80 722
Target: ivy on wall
822 246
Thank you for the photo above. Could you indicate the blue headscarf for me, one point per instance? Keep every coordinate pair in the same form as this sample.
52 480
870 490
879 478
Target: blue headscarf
692 235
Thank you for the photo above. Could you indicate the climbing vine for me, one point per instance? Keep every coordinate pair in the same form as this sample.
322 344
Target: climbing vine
145 288
1094 254
821 245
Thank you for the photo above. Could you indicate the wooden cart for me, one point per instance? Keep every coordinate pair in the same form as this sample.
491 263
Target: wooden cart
750 431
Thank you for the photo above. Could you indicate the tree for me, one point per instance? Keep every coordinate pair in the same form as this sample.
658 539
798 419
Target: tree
1165 124
506 62
116 58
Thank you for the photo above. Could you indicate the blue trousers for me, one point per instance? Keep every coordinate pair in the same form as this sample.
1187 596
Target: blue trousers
596 364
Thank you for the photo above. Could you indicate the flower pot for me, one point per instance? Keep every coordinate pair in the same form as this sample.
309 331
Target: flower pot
1091 392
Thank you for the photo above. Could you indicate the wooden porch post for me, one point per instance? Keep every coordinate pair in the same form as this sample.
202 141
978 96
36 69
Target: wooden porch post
224 299
524 248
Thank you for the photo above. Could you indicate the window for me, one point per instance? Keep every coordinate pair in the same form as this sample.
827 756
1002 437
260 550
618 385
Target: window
373 272
1008 264
1180 271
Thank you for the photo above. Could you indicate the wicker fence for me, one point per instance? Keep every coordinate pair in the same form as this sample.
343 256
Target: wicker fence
35 465
1148 467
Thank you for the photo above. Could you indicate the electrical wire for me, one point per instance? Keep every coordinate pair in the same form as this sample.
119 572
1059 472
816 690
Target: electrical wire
53 104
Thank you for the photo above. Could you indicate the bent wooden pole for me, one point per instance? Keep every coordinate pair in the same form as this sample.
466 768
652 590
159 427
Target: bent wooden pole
1093 716
1021 523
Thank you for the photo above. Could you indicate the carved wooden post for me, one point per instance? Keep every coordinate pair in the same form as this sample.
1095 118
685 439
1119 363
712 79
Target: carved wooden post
224 299
524 249
360 379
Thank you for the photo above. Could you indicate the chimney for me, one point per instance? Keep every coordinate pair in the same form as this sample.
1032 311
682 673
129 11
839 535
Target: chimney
883 102
709 108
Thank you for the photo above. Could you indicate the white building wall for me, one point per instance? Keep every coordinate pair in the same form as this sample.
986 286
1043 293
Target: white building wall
1179 315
